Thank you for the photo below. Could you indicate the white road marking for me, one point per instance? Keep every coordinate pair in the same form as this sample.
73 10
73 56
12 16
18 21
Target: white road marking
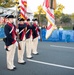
51 64
62 46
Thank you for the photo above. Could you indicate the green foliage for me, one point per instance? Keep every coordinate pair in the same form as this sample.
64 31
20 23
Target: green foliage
59 10
6 3
41 18
40 15
40 10
65 19
72 16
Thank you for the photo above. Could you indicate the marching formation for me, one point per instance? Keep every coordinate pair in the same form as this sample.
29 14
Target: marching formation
20 37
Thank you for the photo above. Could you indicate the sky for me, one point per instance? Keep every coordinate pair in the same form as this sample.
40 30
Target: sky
68 4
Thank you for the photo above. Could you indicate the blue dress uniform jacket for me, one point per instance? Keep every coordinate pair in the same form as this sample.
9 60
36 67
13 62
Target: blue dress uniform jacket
22 28
35 30
10 37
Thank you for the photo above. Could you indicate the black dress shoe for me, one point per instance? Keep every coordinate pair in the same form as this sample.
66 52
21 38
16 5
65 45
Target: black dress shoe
22 63
11 69
14 68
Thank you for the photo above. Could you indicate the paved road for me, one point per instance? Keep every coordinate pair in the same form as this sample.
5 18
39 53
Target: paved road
53 59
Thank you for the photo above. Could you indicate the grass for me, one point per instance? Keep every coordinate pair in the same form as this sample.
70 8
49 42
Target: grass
67 27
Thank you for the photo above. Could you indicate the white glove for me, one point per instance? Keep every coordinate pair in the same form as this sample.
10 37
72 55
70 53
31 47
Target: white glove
16 43
17 30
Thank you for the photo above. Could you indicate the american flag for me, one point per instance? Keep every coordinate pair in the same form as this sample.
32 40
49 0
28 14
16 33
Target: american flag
50 17
23 9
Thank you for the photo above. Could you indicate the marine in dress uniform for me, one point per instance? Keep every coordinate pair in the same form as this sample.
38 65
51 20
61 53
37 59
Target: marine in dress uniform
10 42
5 22
28 40
35 34
22 30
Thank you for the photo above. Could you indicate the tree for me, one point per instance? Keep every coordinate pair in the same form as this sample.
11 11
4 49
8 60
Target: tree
72 18
65 19
40 15
7 3
58 11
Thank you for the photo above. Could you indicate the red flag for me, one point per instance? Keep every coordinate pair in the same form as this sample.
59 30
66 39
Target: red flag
50 17
23 8
46 3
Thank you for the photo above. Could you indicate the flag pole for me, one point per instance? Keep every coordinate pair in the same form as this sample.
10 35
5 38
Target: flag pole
51 3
